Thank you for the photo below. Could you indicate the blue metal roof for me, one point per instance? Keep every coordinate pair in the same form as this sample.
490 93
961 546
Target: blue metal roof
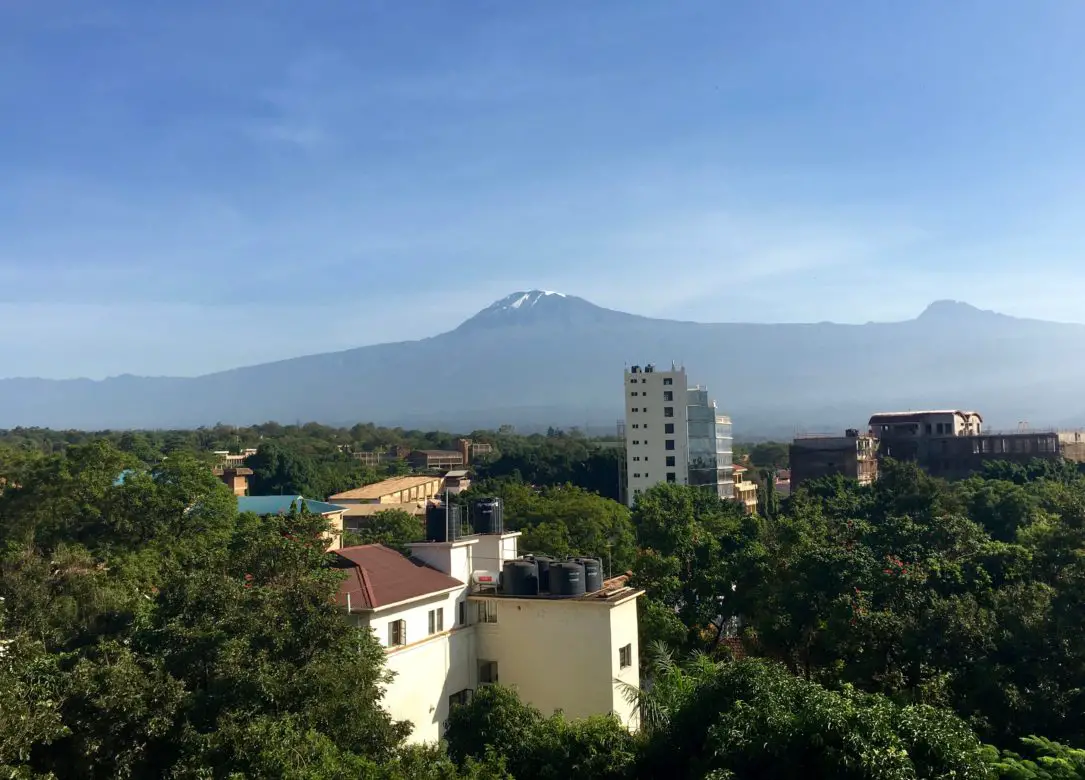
280 505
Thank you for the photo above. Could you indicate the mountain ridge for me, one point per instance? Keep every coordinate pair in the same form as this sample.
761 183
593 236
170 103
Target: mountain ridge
542 357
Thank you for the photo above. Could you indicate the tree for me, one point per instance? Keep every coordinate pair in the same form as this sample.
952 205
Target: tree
393 528
752 719
699 558
534 747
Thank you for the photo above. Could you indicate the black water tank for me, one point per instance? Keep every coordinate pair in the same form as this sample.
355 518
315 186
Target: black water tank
488 516
593 573
566 578
442 523
520 578
543 562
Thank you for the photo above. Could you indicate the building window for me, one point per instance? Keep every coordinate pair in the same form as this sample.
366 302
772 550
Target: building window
668 411
633 393
636 425
625 657
636 476
670 460
487 611
635 409
461 613
668 381
636 457
668 395
671 477
487 672
460 697
669 445
397 633
436 620
975 448
928 429
636 441
668 427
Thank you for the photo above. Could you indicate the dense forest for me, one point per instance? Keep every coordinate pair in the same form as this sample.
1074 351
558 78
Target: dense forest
910 629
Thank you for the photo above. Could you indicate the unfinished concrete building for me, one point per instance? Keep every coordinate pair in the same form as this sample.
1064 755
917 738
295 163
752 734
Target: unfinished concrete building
853 455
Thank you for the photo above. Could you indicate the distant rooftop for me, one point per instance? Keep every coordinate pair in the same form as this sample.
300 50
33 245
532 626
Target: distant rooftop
384 488
281 505
925 412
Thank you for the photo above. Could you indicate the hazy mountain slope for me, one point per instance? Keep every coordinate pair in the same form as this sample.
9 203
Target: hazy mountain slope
546 358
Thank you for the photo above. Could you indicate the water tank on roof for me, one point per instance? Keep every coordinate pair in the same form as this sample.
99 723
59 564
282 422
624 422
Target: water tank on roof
543 563
442 522
593 573
566 578
520 578
488 516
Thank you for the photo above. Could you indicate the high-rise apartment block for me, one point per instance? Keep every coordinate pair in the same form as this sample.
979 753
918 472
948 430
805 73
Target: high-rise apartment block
673 433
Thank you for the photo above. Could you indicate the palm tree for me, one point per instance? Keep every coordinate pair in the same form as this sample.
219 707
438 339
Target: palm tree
668 684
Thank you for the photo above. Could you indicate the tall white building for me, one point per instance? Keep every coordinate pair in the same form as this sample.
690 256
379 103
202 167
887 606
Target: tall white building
673 433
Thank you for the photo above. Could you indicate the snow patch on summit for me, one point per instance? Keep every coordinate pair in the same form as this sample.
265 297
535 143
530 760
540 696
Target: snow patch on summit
520 299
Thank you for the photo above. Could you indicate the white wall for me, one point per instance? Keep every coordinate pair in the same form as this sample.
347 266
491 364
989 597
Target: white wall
429 668
563 654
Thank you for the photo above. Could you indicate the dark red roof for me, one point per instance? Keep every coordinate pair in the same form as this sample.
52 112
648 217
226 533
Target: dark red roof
378 576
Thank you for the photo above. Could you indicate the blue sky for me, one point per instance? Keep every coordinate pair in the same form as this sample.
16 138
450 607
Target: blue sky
186 187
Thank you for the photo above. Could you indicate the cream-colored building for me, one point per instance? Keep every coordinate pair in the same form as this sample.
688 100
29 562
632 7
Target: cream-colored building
447 629
745 491
398 490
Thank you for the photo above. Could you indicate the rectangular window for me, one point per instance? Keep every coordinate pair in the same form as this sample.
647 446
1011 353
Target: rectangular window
636 441
461 610
671 477
669 445
633 393
625 657
436 620
670 460
636 476
928 429
636 425
460 697
975 448
487 672
668 381
487 611
668 411
668 427
397 633
634 409
668 395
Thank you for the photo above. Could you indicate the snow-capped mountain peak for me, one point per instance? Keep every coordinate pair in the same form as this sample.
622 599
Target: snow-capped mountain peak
522 299
537 307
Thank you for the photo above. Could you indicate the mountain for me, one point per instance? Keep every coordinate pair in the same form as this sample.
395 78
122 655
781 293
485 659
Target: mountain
538 358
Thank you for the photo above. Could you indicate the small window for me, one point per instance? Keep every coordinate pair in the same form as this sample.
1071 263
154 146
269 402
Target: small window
461 613
436 620
671 477
634 409
643 381
633 393
636 476
928 429
625 657
668 381
668 395
668 427
668 411
487 611
670 460
636 457
636 425
397 633
636 441
460 698
487 672
669 444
